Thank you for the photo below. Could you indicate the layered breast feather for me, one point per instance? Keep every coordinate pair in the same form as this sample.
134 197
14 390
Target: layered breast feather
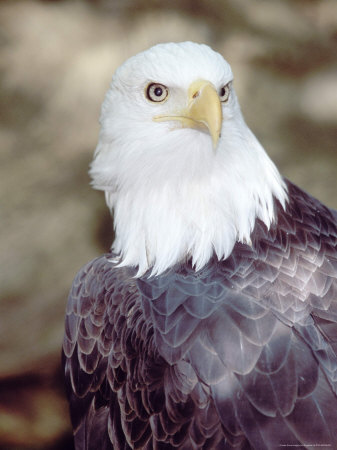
239 354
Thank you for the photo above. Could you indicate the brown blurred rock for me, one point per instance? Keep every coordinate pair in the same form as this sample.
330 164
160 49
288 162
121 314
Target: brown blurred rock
56 61
32 414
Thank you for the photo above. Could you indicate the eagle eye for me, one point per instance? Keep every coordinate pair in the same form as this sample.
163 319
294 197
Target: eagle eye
224 93
156 92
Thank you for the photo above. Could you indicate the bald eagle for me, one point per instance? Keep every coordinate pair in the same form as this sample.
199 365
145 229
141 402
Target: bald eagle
211 324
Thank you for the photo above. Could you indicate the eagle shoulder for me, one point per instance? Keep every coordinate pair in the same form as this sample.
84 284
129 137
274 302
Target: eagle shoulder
240 353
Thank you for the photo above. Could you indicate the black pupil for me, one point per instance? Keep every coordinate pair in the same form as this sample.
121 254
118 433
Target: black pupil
223 91
158 92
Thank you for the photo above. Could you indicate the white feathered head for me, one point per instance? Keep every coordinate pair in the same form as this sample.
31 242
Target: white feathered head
181 169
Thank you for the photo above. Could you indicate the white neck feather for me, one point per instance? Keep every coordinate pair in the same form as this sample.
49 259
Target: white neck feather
185 200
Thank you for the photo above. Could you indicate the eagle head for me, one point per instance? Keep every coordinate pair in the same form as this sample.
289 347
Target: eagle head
185 176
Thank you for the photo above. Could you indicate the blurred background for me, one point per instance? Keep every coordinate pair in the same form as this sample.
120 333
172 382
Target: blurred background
56 61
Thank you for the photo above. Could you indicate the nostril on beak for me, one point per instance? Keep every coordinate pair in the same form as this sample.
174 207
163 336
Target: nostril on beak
196 94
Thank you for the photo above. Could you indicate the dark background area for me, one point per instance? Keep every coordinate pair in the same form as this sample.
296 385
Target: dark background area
56 61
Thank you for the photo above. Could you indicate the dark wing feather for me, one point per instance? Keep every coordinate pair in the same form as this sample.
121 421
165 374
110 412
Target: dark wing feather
241 354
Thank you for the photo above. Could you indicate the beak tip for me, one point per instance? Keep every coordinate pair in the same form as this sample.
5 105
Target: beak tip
215 138
215 143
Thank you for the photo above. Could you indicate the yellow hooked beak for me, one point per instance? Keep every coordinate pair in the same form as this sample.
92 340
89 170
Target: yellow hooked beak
203 111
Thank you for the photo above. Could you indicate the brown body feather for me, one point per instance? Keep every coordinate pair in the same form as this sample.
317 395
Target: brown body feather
241 354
